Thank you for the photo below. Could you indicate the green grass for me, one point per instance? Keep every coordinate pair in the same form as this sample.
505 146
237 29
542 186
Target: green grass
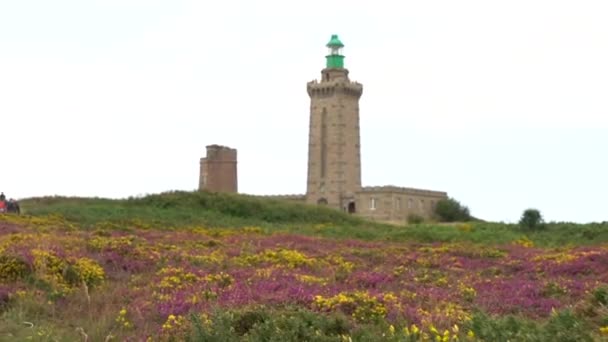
174 210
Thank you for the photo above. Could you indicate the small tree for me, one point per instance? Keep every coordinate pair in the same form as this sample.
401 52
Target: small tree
531 219
450 210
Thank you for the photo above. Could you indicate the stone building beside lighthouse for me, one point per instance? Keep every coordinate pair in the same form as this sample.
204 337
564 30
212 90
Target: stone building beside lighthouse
334 154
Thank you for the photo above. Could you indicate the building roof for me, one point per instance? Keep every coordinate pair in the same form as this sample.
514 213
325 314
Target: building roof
393 188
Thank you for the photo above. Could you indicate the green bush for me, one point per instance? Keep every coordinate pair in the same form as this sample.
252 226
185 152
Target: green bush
563 326
450 210
414 219
531 219
600 295
266 324
263 323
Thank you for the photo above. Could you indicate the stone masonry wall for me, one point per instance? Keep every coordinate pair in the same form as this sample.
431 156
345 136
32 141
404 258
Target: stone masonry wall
395 204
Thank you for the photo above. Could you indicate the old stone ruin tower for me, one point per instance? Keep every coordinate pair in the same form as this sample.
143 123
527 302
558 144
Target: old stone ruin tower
334 158
218 170
334 155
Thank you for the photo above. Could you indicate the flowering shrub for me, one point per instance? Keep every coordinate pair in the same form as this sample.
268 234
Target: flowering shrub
284 257
175 327
360 305
12 268
88 271
164 285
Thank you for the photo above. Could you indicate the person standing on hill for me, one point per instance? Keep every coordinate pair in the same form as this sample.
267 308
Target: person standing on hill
2 197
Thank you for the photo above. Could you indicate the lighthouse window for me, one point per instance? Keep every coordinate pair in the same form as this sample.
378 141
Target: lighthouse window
323 142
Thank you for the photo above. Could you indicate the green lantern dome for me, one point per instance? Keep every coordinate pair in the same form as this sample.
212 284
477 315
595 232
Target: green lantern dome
335 59
335 41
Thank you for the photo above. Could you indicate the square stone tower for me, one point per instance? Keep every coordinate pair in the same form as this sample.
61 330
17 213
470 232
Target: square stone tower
334 156
218 170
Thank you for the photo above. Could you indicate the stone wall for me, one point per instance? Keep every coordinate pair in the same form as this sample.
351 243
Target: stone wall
218 172
395 204
297 198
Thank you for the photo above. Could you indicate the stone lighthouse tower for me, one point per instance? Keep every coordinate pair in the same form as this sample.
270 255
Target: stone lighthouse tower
334 157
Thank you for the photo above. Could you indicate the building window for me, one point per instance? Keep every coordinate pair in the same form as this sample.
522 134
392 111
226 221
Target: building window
372 203
410 203
421 204
398 203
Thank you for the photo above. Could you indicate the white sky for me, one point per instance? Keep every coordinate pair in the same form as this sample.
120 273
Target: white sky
503 104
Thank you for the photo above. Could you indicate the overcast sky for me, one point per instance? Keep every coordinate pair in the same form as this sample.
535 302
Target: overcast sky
503 104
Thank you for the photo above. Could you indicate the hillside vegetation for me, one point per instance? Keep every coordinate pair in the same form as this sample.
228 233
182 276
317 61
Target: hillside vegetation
174 210
185 266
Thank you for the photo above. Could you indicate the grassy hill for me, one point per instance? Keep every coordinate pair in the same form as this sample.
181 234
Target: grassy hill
175 210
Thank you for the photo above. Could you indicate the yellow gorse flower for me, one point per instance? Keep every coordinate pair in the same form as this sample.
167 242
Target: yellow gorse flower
366 307
471 334
122 320
173 322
